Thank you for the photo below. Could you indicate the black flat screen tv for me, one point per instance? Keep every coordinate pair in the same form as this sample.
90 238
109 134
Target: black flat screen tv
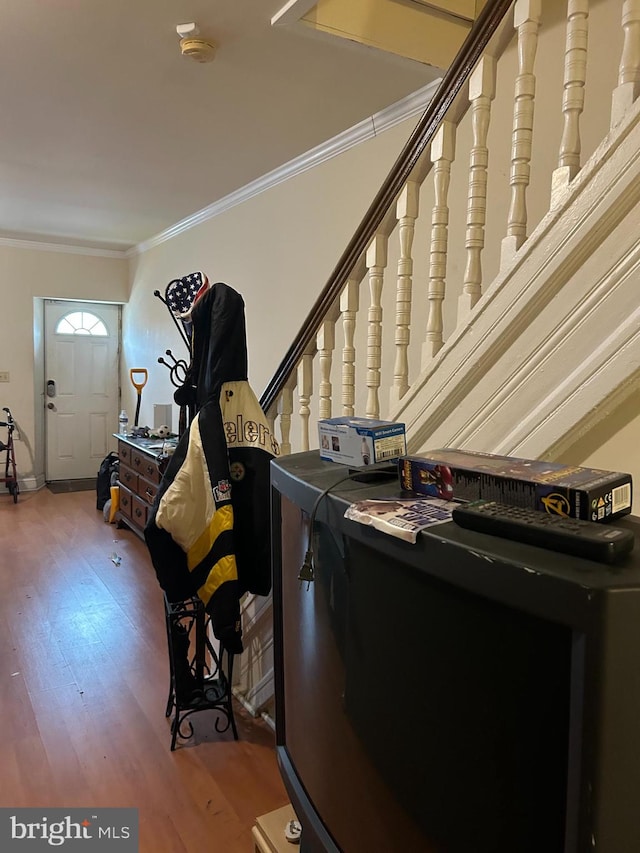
427 699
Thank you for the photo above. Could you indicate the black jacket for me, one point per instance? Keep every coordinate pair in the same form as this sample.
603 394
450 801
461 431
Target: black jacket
209 533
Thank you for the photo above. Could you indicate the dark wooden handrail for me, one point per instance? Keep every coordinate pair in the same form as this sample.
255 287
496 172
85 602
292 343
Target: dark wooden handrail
454 79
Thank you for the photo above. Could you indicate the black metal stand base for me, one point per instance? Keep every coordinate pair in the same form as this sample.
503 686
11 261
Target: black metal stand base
200 675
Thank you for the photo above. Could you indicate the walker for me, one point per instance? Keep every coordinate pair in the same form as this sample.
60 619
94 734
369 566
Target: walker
10 473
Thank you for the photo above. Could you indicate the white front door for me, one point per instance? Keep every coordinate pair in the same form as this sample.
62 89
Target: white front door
81 386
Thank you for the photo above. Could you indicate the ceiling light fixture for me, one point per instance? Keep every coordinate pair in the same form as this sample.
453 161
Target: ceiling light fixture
198 49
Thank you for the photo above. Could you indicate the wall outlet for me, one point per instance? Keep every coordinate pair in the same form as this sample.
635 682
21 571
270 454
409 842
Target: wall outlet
4 375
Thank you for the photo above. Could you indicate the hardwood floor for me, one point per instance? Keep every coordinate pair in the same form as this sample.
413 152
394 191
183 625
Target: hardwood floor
84 683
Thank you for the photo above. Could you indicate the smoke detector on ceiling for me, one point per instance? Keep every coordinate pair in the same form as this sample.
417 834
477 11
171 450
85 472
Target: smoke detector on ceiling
198 49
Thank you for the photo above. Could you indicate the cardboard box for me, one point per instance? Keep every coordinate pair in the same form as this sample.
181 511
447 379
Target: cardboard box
587 493
360 441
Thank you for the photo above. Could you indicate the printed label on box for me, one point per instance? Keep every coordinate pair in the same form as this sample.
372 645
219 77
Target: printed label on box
360 441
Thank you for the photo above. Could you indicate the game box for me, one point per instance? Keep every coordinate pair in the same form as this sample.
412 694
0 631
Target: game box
360 441
551 487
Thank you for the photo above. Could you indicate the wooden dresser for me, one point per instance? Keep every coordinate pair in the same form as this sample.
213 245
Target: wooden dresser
140 475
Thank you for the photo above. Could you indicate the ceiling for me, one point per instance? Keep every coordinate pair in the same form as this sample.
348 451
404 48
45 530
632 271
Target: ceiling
110 136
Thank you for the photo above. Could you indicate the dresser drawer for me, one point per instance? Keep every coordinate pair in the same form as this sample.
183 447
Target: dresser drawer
124 452
139 511
128 478
145 466
125 501
147 490
139 479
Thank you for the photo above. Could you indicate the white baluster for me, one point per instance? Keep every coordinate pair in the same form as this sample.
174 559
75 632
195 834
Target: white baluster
285 410
376 260
482 90
406 213
325 342
526 19
305 390
271 416
629 71
271 419
349 306
575 73
442 154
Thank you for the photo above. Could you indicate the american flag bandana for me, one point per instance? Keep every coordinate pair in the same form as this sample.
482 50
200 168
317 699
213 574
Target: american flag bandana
182 293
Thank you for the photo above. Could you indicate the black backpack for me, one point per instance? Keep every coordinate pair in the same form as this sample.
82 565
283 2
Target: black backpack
109 464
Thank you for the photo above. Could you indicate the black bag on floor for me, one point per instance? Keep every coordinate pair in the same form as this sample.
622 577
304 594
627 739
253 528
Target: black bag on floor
109 464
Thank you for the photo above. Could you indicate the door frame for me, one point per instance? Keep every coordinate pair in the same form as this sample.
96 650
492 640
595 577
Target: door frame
40 367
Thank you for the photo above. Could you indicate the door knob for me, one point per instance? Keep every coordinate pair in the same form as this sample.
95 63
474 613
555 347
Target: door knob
50 406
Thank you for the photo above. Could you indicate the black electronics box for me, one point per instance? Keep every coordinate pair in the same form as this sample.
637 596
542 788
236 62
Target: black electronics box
466 475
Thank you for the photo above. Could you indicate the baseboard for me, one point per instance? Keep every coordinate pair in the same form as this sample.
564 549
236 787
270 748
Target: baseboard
31 484
265 713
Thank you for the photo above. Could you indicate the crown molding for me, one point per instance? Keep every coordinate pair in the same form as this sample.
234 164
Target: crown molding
412 105
292 11
39 246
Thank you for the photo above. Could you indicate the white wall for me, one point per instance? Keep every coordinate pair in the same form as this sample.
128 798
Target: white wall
27 276
277 249
612 444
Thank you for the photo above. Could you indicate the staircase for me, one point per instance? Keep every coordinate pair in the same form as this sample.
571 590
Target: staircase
488 299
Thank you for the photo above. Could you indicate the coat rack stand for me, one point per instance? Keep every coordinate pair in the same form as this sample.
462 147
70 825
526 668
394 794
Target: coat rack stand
200 674
200 671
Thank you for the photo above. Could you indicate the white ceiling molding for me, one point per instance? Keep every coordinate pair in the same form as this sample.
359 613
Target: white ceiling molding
408 107
292 12
39 246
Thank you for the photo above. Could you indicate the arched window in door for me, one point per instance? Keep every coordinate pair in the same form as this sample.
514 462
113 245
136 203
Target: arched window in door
81 323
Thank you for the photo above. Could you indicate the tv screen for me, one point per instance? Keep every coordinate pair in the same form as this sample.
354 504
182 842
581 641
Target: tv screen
412 715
